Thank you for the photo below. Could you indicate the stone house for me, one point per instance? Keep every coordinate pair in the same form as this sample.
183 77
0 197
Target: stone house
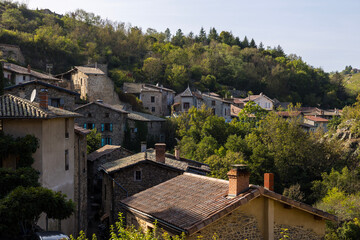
130 175
17 74
92 83
261 100
58 96
155 98
203 206
187 99
80 178
61 153
317 112
315 123
107 119
154 127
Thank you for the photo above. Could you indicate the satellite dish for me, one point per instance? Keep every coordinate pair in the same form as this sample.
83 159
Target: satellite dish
33 95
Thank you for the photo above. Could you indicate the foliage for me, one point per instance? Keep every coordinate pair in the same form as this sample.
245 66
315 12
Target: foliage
209 60
93 141
294 192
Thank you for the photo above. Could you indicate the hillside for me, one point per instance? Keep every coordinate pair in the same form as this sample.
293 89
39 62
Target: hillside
352 83
209 61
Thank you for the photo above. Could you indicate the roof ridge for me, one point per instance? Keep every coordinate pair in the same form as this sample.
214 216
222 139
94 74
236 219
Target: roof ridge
206 177
27 103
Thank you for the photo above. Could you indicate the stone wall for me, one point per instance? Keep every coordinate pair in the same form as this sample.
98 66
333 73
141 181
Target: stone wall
156 132
98 115
294 232
12 52
80 183
234 226
102 87
65 99
155 107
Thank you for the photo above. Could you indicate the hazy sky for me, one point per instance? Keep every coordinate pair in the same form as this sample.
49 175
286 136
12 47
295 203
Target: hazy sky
323 32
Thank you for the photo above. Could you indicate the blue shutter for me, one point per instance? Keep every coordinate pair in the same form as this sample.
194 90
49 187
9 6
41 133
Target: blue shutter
102 142
93 125
110 127
110 141
102 127
85 125
62 102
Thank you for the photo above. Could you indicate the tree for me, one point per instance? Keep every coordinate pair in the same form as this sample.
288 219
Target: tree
153 69
93 141
213 35
167 35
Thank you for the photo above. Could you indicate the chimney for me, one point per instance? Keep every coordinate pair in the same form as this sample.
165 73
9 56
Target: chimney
143 146
96 65
160 152
177 153
238 179
43 96
29 68
269 181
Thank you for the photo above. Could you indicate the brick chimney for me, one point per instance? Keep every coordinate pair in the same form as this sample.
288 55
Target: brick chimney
269 181
238 179
160 152
143 146
43 96
29 68
177 153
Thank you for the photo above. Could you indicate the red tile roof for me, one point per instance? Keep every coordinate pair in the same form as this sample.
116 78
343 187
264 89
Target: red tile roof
316 119
190 202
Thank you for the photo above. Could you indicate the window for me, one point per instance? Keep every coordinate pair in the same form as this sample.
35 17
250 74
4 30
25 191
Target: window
213 103
106 127
55 102
66 160
89 114
137 175
24 78
107 115
153 109
152 98
186 105
213 110
89 125
66 128
106 141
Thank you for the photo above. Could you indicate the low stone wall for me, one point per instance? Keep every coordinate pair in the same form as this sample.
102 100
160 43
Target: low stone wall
297 232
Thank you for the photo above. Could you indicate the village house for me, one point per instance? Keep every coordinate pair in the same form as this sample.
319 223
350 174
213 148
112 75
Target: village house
61 154
317 112
155 98
203 206
130 175
17 74
155 131
187 99
107 119
58 96
312 123
12 52
92 83
261 100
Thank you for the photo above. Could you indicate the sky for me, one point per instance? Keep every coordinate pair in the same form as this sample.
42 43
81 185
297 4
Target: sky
323 32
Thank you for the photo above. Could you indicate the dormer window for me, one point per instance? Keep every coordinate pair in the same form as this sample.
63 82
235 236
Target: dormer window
137 175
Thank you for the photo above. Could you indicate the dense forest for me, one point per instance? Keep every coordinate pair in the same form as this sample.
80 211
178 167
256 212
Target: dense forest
209 61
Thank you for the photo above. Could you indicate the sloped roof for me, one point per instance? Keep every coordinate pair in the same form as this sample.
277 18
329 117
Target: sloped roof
141 87
186 93
234 110
81 130
316 119
138 116
22 70
254 97
289 113
103 151
13 107
108 106
90 70
190 202
37 82
149 155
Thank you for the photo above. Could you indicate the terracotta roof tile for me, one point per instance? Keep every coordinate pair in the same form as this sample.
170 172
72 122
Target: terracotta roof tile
15 107
103 151
191 201
316 119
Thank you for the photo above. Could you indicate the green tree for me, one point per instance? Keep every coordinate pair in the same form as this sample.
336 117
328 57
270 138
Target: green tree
93 141
153 69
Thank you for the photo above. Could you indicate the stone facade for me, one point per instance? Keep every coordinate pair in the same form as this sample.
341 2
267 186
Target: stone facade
219 106
294 232
93 87
12 52
151 174
80 180
234 226
58 97
156 132
107 120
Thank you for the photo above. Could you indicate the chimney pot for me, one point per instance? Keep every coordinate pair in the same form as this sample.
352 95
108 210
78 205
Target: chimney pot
238 179
143 146
269 181
160 152
43 96
177 153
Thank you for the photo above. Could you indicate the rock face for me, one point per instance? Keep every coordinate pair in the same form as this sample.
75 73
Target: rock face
349 140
